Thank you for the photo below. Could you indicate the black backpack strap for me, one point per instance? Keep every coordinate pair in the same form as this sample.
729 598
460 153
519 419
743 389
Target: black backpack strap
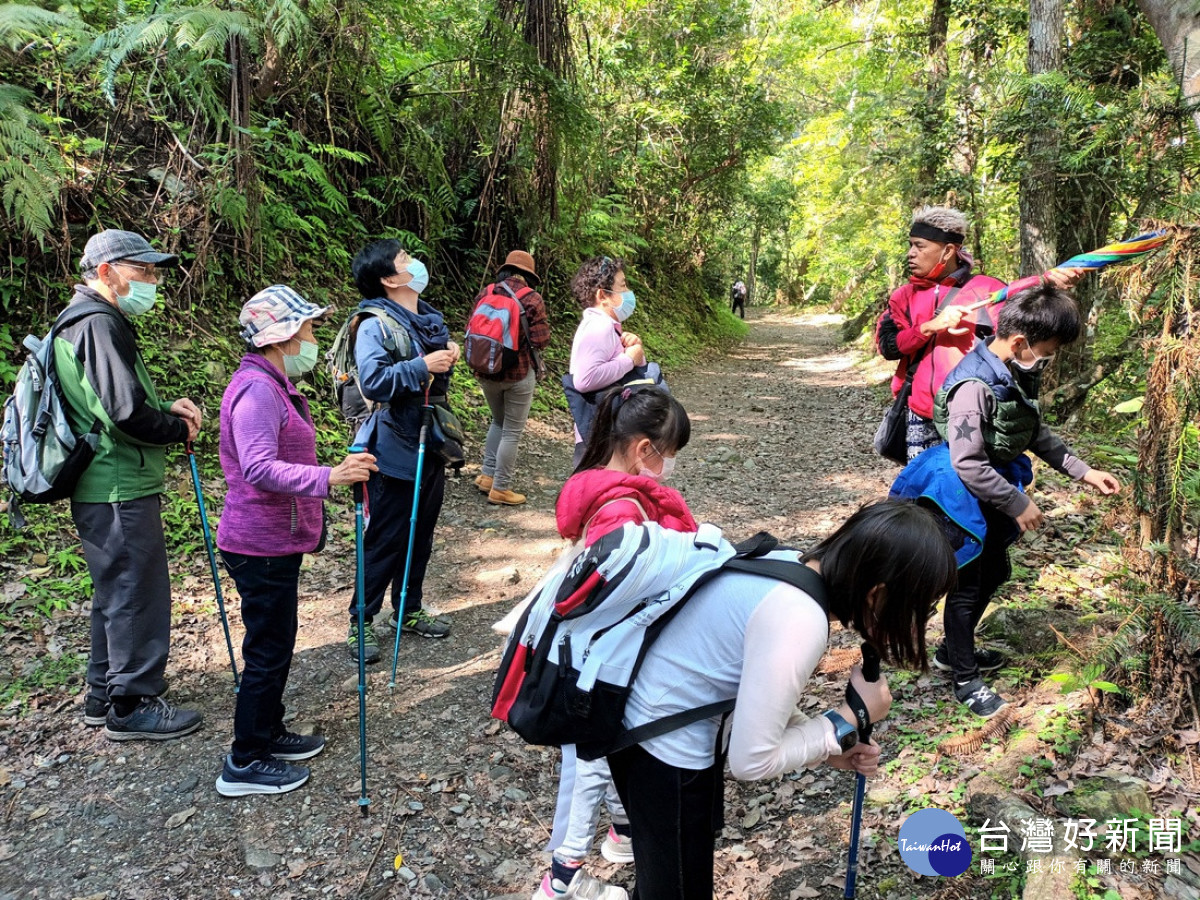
670 723
797 574
757 545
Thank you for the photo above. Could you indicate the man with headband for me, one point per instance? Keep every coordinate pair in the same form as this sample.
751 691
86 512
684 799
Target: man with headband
928 326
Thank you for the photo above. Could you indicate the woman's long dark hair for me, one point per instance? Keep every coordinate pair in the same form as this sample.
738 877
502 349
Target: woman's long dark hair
625 413
900 545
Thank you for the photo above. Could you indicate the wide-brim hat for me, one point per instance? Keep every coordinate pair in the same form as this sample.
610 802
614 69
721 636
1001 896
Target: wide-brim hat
111 245
275 314
523 262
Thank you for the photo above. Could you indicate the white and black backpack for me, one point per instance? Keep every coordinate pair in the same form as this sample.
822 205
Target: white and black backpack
570 662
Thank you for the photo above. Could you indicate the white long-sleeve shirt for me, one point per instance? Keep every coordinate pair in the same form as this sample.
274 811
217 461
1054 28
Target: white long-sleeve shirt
747 637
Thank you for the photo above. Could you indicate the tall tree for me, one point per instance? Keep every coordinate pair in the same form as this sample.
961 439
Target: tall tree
1038 179
932 114
1177 25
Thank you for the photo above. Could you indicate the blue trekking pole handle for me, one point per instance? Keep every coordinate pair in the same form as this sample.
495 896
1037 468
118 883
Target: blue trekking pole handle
360 589
870 669
426 417
212 562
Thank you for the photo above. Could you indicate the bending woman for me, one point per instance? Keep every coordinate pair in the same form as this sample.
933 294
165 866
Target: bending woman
757 640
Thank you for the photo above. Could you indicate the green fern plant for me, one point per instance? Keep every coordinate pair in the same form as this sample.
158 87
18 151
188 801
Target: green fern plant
31 168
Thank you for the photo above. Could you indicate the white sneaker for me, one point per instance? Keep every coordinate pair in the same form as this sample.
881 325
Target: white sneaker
583 887
617 848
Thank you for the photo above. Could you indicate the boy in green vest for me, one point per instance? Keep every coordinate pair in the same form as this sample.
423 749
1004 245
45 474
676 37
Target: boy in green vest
987 412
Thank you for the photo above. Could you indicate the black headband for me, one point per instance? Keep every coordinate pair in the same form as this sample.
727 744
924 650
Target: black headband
933 233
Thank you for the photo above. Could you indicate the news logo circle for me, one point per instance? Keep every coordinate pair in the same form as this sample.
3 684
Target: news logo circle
933 842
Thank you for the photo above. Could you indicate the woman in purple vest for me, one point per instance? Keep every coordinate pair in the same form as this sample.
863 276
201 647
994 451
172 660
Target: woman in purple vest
273 515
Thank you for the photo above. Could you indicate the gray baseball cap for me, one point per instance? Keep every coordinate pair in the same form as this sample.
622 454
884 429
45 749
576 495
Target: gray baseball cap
111 245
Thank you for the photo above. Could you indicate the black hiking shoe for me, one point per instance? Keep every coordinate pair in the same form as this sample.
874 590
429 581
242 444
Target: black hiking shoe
290 746
95 711
425 625
979 698
370 642
262 776
986 660
154 719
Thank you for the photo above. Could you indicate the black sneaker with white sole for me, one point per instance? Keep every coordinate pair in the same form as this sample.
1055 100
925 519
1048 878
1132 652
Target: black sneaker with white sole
986 660
95 711
979 698
262 776
153 719
290 746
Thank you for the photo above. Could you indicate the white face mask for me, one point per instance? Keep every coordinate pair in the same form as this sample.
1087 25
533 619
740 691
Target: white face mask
1038 365
668 466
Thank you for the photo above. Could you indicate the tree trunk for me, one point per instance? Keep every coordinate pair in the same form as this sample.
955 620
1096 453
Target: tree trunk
931 117
1038 200
1177 25
752 276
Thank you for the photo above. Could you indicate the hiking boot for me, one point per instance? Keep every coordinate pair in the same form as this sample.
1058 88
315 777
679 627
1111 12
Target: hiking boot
986 660
262 776
394 623
425 625
979 698
370 642
95 711
290 746
583 886
153 719
484 483
617 848
505 498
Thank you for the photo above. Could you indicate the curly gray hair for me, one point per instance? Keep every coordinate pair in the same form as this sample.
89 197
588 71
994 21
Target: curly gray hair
942 217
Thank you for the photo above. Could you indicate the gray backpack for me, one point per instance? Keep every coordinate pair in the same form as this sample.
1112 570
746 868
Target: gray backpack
347 390
43 457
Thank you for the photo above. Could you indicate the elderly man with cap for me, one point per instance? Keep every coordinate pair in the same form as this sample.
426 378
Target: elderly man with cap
510 394
274 514
116 505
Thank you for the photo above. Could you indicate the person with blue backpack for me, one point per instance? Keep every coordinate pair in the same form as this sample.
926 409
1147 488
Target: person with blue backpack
508 377
401 370
116 504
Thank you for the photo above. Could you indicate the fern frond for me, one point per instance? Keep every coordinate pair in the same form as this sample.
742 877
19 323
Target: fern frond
21 21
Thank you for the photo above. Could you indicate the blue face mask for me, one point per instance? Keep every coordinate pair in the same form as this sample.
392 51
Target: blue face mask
420 275
139 300
628 305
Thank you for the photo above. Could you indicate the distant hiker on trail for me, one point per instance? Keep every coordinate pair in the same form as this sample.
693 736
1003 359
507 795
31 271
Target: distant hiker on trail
758 640
602 353
988 413
631 449
738 295
509 391
387 276
926 326
273 515
116 504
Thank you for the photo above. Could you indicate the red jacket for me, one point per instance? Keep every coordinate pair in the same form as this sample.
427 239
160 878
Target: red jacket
585 493
910 307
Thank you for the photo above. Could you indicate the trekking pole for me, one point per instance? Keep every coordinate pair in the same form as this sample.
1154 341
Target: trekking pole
360 589
212 562
870 673
426 419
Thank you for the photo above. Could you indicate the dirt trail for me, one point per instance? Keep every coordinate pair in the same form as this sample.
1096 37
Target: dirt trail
781 431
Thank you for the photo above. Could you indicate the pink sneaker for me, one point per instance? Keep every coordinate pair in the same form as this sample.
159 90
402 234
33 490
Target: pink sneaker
617 848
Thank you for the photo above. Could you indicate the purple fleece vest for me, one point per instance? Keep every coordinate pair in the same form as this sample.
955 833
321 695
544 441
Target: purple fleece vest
286 519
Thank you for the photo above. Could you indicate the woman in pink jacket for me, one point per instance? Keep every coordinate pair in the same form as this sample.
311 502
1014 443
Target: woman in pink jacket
631 448
602 353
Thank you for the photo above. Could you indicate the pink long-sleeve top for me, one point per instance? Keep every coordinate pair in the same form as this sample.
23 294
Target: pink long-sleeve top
273 506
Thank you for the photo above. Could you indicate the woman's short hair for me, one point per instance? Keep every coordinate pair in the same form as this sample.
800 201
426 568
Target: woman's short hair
941 217
1042 313
374 262
597 274
902 547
